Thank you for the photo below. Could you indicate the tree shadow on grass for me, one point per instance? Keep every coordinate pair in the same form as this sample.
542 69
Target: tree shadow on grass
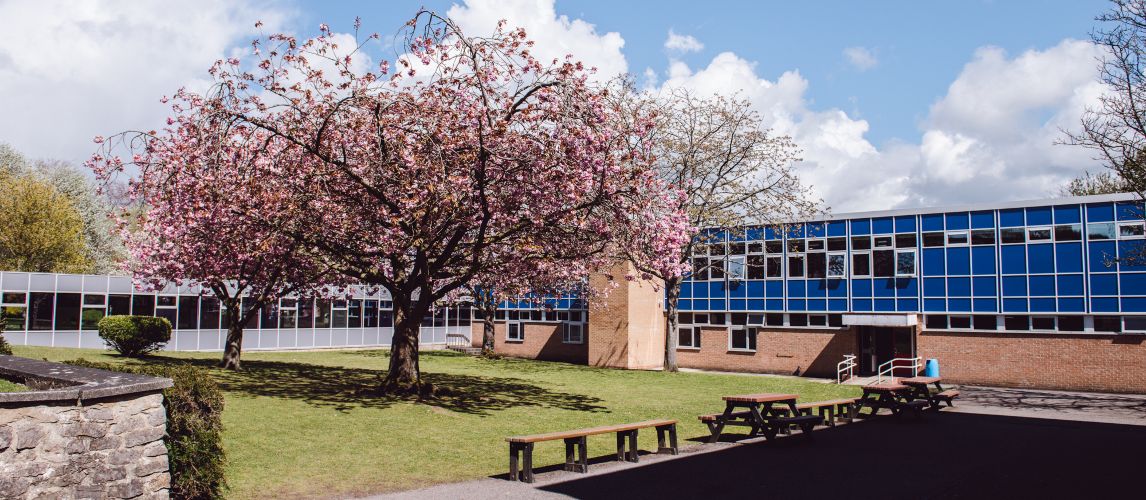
345 389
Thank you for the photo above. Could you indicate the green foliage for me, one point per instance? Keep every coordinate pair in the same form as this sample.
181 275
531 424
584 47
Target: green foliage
194 427
134 336
4 347
1101 183
40 229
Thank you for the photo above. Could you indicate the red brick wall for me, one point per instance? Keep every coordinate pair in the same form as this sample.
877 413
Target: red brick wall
542 341
1108 363
804 351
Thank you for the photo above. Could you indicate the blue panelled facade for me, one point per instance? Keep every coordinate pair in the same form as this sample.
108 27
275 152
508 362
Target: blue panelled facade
1070 264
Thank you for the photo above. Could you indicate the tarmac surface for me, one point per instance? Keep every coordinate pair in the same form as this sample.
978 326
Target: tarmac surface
1016 443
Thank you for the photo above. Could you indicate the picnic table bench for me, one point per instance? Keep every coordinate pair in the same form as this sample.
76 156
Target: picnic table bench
759 411
575 440
920 390
895 397
830 410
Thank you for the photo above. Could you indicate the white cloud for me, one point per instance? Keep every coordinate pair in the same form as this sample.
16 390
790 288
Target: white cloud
70 71
861 58
555 36
682 43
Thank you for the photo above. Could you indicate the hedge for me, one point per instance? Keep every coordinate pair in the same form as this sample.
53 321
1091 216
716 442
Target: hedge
134 336
194 427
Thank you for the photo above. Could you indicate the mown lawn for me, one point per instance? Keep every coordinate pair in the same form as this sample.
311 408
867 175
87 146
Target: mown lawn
9 386
304 423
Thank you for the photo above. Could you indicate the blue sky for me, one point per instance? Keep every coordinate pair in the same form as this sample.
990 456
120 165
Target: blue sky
894 103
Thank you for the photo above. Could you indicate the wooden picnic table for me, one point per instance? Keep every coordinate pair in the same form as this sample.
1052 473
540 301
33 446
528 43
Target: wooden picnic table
919 389
758 411
893 396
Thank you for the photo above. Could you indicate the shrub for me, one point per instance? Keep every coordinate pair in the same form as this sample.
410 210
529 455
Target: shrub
4 347
134 336
194 427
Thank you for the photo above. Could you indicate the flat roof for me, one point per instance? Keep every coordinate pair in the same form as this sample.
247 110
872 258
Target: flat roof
1002 205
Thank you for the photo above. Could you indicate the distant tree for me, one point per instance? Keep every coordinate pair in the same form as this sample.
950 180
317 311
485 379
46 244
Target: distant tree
1091 184
40 229
734 172
103 247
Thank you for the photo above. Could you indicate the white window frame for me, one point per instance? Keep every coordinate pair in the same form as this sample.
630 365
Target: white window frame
810 325
510 326
1134 236
695 337
1050 238
914 262
970 322
843 274
966 238
1113 226
783 266
742 261
567 330
750 338
1052 318
890 241
867 255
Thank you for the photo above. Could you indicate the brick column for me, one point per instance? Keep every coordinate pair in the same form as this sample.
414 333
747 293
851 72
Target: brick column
627 327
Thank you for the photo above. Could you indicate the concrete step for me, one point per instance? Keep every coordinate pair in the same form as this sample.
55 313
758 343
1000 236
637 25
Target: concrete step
472 351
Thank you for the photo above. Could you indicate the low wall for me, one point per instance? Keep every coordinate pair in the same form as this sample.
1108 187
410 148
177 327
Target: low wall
811 352
81 433
542 341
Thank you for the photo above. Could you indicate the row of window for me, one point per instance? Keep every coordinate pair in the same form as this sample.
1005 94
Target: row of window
571 332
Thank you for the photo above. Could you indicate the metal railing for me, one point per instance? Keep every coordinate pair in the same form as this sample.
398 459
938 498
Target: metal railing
887 370
458 340
848 366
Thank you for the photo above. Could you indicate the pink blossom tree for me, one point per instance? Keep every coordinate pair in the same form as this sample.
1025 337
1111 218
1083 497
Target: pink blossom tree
474 159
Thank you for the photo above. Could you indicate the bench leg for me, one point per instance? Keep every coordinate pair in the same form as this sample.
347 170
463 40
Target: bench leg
672 439
513 449
528 462
633 455
570 448
670 431
853 411
583 445
620 447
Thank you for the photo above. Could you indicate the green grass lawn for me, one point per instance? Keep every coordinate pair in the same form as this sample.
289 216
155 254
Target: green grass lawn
304 423
9 386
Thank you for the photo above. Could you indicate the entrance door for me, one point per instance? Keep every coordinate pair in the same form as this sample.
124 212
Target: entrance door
880 344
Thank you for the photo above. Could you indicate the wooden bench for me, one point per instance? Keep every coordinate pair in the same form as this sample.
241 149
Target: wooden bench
576 440
710 419
806 423
916 406
829 411
947 397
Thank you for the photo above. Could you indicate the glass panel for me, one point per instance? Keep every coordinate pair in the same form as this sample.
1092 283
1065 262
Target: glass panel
269 316
936 322
89 320
736 249
756 247
882 241
816 245
67 311
905 241
716 249
288 318
775 267
699 269
188 313
1038 234
716 269
1012 235
795 266
1100 231
817 265
905 263
795 245
775 246
861 242
839 243
797 320
983 237
1070 323
15 298
961 322
1068 232
983 322
386 318
933 239
94 300
118 304
684 336
1107 324
1134 323
14 317
370 314
143 305
169 313
354 314
817 320
165 300
836 320
1020 323
836 265
756 265
306 313
1134 230
883 263
322 314
210 307
736 268
774 319
861 264
1042 323
957 238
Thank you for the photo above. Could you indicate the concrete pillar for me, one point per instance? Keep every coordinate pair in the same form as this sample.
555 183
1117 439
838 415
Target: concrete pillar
627 326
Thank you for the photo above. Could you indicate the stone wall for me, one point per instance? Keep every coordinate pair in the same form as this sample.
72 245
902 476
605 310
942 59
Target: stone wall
57 443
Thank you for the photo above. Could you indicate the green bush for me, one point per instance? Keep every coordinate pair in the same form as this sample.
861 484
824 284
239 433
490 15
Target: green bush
134 336
4 347
194 427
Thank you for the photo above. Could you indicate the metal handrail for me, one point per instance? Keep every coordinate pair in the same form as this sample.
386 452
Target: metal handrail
848 366
888 368
458 340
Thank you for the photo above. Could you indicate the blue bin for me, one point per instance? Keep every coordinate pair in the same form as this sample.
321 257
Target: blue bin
931 369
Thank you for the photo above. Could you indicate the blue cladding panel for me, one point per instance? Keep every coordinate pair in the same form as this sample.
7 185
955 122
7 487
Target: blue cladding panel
907 305
861 305
1067 214
1014 286
1071 305
1133 304
984 287
1070 284
1104 284
905 224
933 262
883 287
754 233
932 222
716 290
1014 305
737 289
959 287
884 305
686 290
755 305
861 288
755 289
907 287
717 305
774 289
837 304
700 290
817 230
817 288
1100 212
1134 284
1014 259
1040 258
1109 304
684 304
983 260
838 288
1038 216
1129 210
1011 218
861 226
774 304
957 221
838 228
796 231
817 305
959 305
771 233
983 220
1132 248
796 288
700 305
1042 286
934 287
797 305
986 305
1068 256
737 305
934 305
958 261
1042 305
1102 257
882 225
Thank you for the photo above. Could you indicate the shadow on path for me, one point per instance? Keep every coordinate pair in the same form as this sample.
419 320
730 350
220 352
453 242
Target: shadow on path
347 388
1114 405
946 455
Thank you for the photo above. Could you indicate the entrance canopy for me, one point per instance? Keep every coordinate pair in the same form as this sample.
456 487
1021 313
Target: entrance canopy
880 320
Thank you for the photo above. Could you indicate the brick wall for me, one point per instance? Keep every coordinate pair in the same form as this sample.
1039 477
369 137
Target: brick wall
782 351
1108 363
542 341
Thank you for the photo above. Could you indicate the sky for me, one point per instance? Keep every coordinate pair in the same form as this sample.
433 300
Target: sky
894 104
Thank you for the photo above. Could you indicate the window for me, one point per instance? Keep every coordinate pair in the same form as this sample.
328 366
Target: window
983 237
209 309
960 322
936 322
775 267
15 298
934 239
756 319
41 307
698 319
165 301
1068 232
94 310
905 241
288 313
1131 230
269 316
861 243
118 304
883 263
957 238
338 314
797 320
742 338
716 269
985 322
143 305
736 249
306 313
188 313
1042 323
795 266
816 245
796 246
756 267
322 314
817 265
716 318
817 320
1038 234
514 332
716 248
837 244
1100 231
756 247
370 314
740 319
67 311
1019 323
354 314
774 319
1134 324
736 267
688 336
837 265
882 241
14 310
774 246
699 269
1111 324
1070 324
836 320
1013 235
572 333
861 264
905 262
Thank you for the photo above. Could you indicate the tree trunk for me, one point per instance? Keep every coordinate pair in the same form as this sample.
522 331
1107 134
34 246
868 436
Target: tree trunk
489 313
234 346
403 375
672 291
